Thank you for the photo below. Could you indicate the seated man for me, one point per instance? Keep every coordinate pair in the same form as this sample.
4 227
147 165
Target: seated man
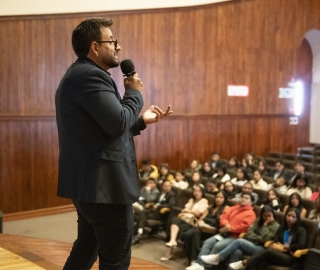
279 171
233 221
148 170
247 187
157 209
148 196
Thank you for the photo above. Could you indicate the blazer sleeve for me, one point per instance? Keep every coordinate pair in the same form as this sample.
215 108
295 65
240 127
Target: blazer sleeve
299 240
99 98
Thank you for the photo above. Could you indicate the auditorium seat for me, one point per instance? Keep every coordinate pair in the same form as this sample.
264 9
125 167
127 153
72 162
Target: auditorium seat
289 156
306 158
288 164
275 154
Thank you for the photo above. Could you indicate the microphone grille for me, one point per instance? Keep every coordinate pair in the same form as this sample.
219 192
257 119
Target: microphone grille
127 67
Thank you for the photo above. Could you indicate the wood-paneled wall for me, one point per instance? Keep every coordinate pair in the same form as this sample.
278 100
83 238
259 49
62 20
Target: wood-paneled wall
185 57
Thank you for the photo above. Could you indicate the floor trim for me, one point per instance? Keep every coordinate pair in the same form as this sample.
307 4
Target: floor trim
39 212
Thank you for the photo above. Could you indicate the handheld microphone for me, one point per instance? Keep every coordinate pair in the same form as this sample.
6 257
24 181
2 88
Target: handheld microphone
127 68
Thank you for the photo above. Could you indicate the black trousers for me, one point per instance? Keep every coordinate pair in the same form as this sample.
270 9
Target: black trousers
264 258
192 239
104 230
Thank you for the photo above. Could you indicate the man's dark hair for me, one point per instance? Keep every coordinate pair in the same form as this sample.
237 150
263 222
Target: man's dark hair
279 161
248 193
87 32
146 162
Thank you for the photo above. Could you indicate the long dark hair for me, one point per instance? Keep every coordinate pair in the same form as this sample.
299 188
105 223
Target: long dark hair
295 227
300 176
245 174
202 191
300 206
266 208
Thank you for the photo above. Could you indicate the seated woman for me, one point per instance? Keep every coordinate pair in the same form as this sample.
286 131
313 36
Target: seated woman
195 166
211 187
179 180
206 170
164 174
300 185
196 179
279 185
272 200
193 210
229 190
261 231
296 202
208 223
315 213
289 237
241 178
262 168
221 176
258 182
233 163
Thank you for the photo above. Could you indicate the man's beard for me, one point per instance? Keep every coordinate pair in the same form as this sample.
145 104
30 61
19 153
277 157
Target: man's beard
111 61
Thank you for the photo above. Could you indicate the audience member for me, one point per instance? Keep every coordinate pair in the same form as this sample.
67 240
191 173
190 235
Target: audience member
261 231
148 170
300 185
246 166
298 169
186 220
315 213
279 171
279 185
258 182
272 200
251 158
233 163
215 161
233 221
196 179
247 187
148 196
164 174
206 170
229 190
221 174
262 168
179 180
208 223
241 178
211 187
162 209
295 201
289 237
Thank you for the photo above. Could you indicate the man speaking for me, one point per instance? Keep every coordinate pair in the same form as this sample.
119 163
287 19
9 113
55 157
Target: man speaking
97 160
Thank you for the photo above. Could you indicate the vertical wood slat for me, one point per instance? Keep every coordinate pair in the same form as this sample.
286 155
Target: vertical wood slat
185 57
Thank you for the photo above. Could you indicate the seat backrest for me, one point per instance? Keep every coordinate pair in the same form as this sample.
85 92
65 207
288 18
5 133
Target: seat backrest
308 205
184 196
210 198
262 195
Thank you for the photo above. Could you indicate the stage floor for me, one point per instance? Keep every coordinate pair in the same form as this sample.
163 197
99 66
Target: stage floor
48 254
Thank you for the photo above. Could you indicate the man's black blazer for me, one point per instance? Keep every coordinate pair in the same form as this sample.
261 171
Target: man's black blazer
97 159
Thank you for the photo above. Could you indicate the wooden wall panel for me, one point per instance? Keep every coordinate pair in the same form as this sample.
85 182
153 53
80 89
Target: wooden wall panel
179 140
28 162
185 57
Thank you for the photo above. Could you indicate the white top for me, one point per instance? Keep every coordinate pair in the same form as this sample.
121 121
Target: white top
305 193
238 183
260 185
200 206
225 178
181 184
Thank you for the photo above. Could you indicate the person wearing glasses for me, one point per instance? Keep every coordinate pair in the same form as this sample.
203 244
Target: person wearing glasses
97 161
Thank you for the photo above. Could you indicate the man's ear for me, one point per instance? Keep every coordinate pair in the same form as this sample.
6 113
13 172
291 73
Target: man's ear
94 48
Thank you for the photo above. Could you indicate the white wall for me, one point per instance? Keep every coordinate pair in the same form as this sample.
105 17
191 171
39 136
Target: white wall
313 37
29 7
